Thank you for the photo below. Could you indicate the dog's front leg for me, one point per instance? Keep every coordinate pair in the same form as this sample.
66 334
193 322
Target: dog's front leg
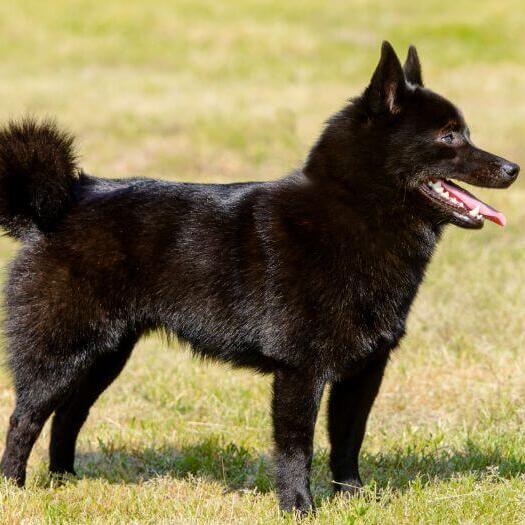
296 398
350 402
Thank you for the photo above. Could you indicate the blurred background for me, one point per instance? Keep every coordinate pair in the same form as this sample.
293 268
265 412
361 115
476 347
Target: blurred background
238 90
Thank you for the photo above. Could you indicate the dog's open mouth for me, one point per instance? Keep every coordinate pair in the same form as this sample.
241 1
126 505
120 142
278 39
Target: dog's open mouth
461 204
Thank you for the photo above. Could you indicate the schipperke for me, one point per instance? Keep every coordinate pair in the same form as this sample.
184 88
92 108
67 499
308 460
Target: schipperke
309 277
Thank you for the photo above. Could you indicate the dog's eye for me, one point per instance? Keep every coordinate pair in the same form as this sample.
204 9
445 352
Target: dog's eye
448 138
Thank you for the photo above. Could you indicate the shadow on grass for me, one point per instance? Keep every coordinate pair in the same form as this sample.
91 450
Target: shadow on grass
238 468
397 468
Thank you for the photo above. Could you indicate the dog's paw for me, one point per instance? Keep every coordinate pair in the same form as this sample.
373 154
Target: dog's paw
296 501
350 487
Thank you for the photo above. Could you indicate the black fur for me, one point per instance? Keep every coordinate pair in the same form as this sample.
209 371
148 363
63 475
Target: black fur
37 173
310 277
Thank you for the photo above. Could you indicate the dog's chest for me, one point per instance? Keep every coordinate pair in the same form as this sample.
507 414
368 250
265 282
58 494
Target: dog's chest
374 315
365 308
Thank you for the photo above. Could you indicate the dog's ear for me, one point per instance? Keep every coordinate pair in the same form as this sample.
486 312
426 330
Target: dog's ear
388 86
412 68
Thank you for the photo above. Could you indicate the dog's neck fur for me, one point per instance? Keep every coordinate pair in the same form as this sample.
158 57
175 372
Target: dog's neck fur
360 227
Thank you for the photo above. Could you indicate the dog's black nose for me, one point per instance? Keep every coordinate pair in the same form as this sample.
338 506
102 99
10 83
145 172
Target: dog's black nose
511 170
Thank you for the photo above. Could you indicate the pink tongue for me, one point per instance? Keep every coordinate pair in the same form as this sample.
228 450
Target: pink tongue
471 202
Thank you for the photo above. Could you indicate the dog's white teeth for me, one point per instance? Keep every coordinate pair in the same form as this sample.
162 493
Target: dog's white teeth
474 212
439 189
436 186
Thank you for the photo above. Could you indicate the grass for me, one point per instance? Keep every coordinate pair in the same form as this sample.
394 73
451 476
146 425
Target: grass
223 91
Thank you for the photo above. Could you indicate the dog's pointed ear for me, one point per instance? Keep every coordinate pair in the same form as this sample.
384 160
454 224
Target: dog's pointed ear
388 86
412 68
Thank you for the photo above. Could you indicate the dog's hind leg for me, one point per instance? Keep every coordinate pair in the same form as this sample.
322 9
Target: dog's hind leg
74 410
349 405
39 389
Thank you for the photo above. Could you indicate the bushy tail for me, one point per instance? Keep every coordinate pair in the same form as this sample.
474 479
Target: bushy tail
37 172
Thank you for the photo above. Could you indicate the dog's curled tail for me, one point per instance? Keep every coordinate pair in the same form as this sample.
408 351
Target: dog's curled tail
37 172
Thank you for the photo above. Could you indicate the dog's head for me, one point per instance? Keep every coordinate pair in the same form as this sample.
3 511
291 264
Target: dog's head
403 144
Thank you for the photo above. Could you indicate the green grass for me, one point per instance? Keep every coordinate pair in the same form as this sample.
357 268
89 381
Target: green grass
238 90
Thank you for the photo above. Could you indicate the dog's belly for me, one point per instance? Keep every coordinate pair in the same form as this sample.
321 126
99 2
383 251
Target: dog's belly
267 344
236 343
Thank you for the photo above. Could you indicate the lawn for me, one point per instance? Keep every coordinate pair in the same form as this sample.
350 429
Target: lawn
238 90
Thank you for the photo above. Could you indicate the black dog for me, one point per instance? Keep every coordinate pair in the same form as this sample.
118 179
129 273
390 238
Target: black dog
310 277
